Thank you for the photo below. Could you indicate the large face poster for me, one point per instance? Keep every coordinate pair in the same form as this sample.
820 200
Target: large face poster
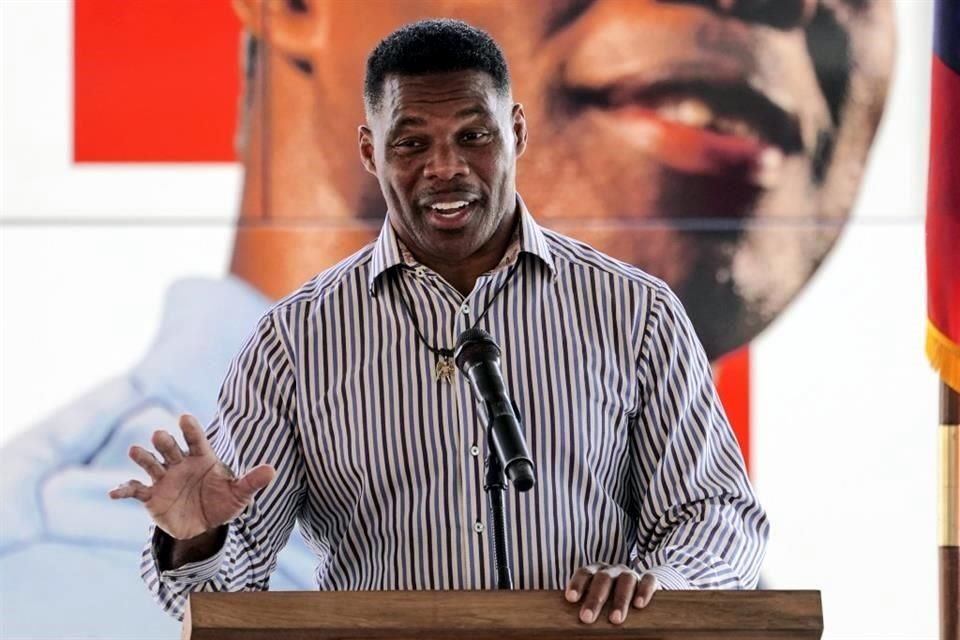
720 146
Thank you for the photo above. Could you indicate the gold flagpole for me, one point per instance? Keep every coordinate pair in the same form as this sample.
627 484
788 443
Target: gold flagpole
949 516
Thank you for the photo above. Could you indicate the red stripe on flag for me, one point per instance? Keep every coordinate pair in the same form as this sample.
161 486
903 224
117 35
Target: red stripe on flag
943 223
155 80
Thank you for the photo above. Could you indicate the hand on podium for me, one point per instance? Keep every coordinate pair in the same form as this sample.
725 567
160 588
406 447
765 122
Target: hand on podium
595 583
193 492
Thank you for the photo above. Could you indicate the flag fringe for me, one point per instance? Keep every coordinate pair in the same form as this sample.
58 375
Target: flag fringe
944 355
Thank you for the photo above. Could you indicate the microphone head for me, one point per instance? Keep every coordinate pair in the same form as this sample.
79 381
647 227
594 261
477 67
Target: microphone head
473 346
522 475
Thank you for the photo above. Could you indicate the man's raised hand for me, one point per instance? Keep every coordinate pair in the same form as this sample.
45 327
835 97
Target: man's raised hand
192 492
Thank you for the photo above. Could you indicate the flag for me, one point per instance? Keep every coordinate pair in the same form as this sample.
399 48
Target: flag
943 198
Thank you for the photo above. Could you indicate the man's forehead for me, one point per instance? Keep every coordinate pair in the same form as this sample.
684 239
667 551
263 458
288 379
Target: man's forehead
458 94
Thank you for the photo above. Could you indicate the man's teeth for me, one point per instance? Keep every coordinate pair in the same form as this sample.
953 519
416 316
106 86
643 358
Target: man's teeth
694 112
449 206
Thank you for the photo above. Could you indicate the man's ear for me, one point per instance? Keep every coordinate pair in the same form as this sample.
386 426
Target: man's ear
297 28
367 151
519 128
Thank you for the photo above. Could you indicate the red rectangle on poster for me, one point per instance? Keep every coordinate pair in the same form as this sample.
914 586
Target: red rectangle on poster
155 80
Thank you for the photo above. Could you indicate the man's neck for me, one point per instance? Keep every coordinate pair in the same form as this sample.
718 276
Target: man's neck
463 274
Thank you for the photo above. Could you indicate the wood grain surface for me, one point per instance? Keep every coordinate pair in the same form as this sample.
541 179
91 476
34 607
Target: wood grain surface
352 615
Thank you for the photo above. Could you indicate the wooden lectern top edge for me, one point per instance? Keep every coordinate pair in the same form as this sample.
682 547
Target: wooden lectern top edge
495 614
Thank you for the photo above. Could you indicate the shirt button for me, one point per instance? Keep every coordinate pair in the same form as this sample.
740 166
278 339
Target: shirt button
474 450
465 309
478 526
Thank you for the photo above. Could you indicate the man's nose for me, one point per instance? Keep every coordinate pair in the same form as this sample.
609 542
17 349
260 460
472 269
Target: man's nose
782 14
444 162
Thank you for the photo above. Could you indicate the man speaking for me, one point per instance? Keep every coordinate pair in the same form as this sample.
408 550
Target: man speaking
344 409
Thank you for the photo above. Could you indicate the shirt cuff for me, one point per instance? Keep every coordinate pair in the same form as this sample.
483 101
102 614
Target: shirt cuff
192 572
668 578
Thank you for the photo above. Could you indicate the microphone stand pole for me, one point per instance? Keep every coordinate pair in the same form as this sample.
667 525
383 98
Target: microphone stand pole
495 486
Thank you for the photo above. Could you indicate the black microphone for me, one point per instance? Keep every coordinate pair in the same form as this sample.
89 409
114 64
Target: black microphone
478 356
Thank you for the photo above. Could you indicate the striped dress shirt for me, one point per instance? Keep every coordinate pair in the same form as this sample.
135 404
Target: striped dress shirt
382 464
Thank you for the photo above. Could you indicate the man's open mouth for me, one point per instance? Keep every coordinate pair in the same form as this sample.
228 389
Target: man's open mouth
450 210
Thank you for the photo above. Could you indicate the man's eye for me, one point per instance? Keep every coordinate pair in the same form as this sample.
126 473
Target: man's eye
475 136
408 144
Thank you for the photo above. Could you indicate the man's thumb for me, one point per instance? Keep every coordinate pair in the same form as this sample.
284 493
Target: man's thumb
255 479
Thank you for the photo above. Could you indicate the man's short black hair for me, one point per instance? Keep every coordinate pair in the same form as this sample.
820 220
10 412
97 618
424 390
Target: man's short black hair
433 46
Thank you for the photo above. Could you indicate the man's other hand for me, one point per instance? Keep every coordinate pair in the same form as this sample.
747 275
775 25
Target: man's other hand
596 583
193 491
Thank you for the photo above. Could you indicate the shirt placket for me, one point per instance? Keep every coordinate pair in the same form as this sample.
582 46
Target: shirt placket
471 507
472 520
469 433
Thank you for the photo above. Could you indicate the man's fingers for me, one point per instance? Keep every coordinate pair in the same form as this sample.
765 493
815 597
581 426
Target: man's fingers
596 596
577 585
254 480
623 590
148 462
645 590
193 434
131 489
595 584
168 447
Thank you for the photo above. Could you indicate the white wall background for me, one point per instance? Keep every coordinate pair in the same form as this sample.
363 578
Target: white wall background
845 406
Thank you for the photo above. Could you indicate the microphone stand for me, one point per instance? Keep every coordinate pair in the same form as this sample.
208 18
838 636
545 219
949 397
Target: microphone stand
478 357
495 486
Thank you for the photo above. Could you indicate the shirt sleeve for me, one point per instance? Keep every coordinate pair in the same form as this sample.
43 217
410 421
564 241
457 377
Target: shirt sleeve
254 424
700 524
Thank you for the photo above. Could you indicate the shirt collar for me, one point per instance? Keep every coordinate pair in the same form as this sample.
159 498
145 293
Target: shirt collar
389 252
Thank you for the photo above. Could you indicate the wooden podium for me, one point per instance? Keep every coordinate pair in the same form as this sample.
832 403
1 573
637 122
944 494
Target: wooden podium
482 615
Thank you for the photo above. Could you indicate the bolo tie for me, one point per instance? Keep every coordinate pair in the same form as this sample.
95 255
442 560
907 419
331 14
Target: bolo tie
445 368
